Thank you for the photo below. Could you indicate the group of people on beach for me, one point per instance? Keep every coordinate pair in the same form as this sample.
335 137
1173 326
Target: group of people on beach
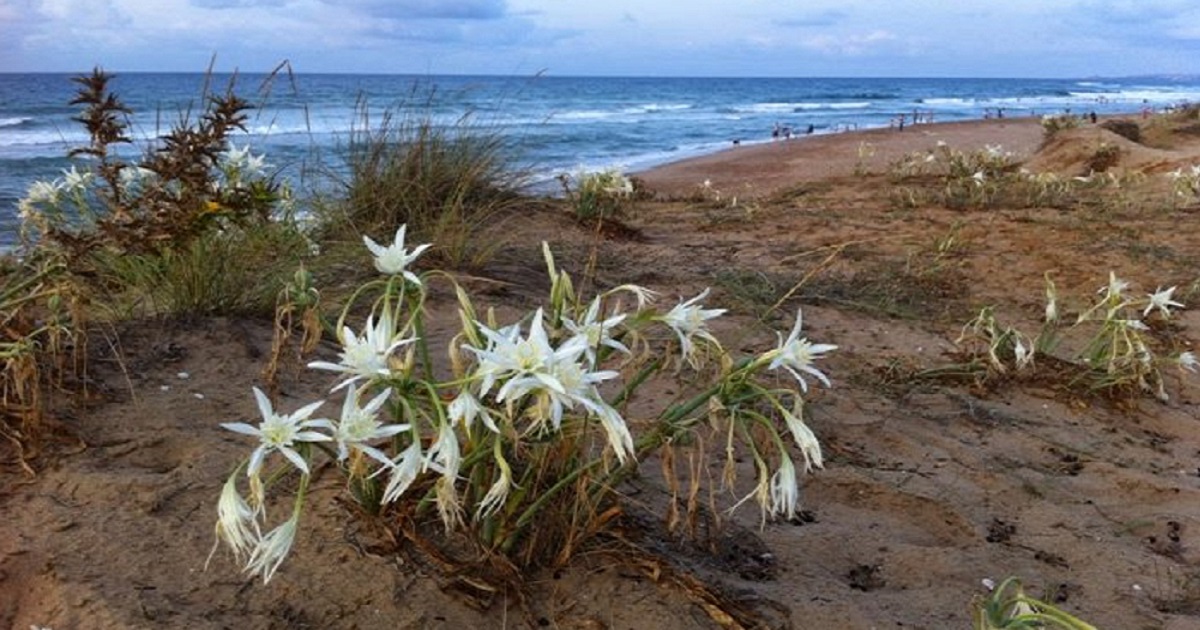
786 132
918 117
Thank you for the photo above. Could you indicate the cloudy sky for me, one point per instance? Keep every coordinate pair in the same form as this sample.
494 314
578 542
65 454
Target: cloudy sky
978 38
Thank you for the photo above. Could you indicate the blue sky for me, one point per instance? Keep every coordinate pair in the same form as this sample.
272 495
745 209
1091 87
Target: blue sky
1013 38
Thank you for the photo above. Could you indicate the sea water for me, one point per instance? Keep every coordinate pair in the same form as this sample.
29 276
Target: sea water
554 124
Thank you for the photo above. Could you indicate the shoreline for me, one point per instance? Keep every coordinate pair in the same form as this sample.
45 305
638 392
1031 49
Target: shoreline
759 169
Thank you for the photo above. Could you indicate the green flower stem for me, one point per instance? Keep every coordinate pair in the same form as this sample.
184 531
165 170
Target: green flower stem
638 379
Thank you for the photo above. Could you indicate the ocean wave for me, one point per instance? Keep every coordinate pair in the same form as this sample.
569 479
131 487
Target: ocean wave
652 108
769 108
15 121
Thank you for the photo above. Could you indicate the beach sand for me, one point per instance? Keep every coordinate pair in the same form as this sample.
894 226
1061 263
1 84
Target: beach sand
931 484
758 170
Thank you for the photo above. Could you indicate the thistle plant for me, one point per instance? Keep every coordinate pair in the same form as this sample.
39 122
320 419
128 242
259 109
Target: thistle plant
191 182
522 438
1007 607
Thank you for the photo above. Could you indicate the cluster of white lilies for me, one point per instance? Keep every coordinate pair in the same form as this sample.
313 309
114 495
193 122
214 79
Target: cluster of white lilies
1117 353
552 386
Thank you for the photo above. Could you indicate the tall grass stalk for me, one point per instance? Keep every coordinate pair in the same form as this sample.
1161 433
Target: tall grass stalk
447 181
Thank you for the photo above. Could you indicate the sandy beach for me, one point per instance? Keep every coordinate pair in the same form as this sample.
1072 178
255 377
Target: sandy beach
932 482
763 169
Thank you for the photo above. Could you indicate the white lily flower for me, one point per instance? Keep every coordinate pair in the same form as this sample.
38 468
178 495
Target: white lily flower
395 258
524 363
785 490
131 176
75 181
596 332
366 356
279 432
796 354
404 472
615 429
44 192
1022 356
1132 324
643 295
1116 287
444 454
979 178
272 548
497 494
575 384
1187 360
688 319
1161 300
360 425
236 525
810 447
465 408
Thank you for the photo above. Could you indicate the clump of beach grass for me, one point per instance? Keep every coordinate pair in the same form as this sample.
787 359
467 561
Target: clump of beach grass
448 182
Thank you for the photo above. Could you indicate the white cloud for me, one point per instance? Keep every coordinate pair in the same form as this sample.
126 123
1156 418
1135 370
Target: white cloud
427 9
784 37
850 44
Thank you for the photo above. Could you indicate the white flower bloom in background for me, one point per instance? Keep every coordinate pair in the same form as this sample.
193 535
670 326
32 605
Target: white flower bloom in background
688 319
1161 300
236 526
394 259
280 432
785 490
272 548
76 181
796 354
131 176
1116 287
358 426
44 192
1021 355
366 356
1188 361
239 165
1132 324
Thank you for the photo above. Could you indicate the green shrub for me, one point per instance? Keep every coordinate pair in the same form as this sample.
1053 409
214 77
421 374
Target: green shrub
599 194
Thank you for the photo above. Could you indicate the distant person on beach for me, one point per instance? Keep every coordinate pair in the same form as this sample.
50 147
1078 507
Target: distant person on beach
810 130
775 132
